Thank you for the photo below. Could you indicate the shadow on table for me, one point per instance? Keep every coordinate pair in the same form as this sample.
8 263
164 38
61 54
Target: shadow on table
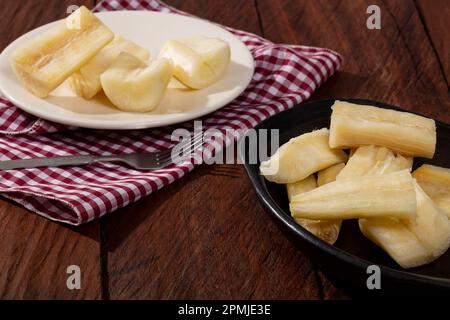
117 226
339 83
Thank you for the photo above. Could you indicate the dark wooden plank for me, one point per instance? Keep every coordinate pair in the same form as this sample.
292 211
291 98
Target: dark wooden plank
236 14
396 64
435 15
204 237
329 290
35 252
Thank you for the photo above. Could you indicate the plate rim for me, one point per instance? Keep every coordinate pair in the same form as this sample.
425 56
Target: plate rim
108 124
260 187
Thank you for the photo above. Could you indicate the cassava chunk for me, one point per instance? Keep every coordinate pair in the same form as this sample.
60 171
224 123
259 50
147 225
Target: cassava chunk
47 60
373 160
435 181
364 159
327 230
413 242
431 225
389 195
329 174
355 125
301 186
397 240
300 157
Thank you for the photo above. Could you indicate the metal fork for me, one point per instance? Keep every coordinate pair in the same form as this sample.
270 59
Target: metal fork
140 161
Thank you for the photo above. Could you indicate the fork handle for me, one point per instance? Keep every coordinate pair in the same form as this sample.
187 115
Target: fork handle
46 162
112 158
57 161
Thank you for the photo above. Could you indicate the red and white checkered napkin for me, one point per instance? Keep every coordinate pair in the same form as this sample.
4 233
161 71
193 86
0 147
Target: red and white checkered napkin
285 75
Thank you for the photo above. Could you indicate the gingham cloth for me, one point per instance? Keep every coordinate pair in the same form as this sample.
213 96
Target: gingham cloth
285 75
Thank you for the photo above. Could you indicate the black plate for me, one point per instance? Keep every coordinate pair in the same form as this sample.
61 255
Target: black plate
347 260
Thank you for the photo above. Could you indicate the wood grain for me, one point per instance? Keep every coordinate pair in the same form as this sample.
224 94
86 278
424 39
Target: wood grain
395 64
204 237
436 18
35 252
234 13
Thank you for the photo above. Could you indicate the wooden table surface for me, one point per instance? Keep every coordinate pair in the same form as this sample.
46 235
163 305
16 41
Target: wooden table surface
206 236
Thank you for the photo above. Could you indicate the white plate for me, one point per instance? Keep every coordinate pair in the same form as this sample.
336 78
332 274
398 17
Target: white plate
150 30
